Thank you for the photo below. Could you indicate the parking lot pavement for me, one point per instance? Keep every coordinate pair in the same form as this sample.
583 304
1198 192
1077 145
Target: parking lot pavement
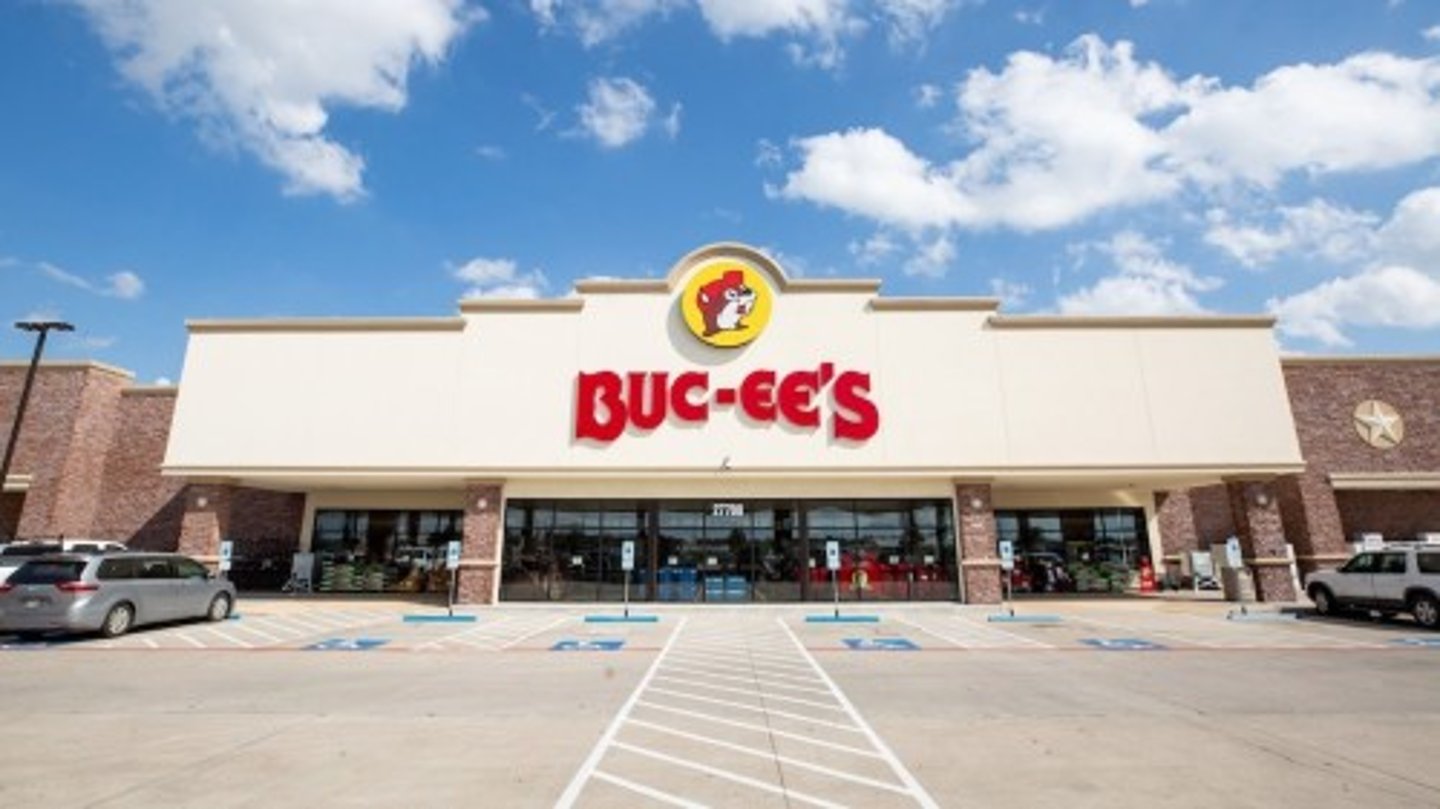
735 711
932 704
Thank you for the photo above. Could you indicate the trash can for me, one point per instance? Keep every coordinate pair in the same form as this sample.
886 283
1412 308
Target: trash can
1238 584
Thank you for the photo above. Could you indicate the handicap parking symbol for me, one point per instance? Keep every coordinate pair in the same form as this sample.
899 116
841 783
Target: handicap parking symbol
881 645
1425 643
1122 644
595 645
347 645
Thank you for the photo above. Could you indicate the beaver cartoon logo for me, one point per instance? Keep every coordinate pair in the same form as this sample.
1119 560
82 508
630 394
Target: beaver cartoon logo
726 304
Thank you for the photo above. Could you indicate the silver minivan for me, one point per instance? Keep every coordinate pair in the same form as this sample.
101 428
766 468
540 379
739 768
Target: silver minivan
110 593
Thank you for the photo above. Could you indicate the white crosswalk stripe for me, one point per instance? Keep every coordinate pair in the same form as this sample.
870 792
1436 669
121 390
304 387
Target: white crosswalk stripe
737 717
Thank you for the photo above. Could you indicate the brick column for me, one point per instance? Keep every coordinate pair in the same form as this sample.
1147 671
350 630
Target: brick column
1261 532
206 520
480 546
979 565
1312 518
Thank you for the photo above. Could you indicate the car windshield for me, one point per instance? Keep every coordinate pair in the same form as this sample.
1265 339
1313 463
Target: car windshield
48 571
23 551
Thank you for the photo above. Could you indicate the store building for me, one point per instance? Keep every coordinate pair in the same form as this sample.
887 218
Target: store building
731 420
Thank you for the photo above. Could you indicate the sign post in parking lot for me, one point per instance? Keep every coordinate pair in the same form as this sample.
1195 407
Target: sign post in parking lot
452 564
227 552
627 564
832 561
1007 566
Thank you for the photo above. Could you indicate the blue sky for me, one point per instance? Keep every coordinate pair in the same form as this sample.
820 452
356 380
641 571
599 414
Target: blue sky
170 159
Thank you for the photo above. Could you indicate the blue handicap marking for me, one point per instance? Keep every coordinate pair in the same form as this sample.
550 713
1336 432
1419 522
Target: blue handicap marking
594 645
1122 644
347 645
881 645
1430 643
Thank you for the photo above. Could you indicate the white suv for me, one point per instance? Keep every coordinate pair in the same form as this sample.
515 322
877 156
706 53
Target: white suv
1398 578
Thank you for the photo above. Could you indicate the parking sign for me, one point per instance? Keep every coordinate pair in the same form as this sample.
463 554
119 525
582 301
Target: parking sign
1007 555
627 555
832 555
227 552
452 555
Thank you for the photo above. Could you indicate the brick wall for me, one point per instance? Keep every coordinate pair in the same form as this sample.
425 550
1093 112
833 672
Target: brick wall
1323 397
137 505
1395 514
10 505
63 443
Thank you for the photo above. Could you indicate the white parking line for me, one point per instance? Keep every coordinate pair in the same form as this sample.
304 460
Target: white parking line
766 729
787 793
649 792
696 672
916 790
1008 640
542 630
592 762
748 692
770 755
770 711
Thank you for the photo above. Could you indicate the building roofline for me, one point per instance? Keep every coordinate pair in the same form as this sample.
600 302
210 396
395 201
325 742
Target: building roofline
310 324
151 390
72 365
936 304
519 305
1132 322
1358 359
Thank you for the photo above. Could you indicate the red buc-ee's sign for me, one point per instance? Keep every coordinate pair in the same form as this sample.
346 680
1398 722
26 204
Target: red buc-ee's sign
609 402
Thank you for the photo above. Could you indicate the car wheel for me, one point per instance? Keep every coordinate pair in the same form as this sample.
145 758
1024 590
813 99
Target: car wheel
219 608
118 621
1426 610
1324 601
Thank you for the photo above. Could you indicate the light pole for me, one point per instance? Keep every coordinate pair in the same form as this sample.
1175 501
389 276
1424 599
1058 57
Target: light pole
42 328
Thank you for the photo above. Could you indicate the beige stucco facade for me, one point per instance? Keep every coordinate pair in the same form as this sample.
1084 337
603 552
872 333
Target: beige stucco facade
962 392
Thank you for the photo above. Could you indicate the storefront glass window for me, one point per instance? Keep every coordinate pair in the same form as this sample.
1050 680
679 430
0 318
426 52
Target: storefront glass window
382 551
1075 550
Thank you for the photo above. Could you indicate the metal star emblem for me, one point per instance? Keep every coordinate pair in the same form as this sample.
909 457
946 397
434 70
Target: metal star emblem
1379 424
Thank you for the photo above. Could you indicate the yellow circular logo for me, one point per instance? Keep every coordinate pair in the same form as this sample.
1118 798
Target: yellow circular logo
726 304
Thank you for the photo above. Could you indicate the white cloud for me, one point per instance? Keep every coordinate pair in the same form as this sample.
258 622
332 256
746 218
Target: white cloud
671 124
490 151
1317 229
1370 111
932 258
879 247
1012 294
264 74
1412 235
124 285
927 96
870 173
499 278
1059 139
163 380
1145 282
1036 17
1390 296
909 21
597 21
767 154
617 112
1431 34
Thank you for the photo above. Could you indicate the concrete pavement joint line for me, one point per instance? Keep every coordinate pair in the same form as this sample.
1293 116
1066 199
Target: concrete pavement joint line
772 754
737 706
784 734
649 792
788 794
748 692
592 762
917 791
734 679
528 635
